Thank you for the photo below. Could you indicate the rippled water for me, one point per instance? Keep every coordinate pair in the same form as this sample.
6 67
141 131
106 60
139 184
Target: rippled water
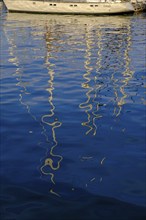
73 117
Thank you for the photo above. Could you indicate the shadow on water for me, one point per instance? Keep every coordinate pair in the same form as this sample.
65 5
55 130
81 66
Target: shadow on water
72 174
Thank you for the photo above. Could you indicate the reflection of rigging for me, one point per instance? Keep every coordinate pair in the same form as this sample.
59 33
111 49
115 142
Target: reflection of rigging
23 85
126 76
48 119
103 64
51 121
120 83
90 105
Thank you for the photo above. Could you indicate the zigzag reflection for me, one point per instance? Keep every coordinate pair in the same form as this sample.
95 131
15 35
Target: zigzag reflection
107 67
51 121
90 106
108 72
127 76
45 119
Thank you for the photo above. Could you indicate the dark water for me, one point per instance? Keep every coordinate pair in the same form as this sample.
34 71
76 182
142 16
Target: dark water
73 117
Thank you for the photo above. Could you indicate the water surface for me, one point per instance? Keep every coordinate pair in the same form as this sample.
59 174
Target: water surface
73 117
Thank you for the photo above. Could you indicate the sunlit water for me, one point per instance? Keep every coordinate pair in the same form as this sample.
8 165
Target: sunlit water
73 117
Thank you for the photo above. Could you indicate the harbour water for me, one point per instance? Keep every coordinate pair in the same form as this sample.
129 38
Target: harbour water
73 129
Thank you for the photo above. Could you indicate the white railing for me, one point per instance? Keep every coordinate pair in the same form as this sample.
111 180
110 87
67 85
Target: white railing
81 1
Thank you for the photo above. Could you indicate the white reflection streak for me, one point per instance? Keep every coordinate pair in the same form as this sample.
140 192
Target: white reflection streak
127 75
19 71
91 94
98 67
55 124
14 60
86 105
102 160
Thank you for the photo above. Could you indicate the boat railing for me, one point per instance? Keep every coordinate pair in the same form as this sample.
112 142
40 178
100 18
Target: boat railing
88 1
82 1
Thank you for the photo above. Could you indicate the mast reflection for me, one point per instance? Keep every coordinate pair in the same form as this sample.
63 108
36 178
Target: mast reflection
91 106
46 121
112 68
48 168
104 89
127 75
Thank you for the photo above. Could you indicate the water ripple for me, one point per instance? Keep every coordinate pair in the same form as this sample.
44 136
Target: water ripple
73 105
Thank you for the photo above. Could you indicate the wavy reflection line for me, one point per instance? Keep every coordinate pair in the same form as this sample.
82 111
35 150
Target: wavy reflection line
86 105
21 84
95 113
15 61
19 73
116 86
114 78
23 91
49 162
127 75
90 104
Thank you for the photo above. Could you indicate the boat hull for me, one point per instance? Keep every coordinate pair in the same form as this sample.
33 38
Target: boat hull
68 7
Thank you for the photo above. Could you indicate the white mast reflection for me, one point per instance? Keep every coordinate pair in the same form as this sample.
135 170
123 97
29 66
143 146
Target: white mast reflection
51 121
91 94
45 119
127 76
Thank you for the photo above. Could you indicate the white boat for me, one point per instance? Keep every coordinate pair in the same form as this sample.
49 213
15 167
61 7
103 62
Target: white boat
70 6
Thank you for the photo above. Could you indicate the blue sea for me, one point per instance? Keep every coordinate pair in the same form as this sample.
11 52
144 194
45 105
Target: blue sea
73 117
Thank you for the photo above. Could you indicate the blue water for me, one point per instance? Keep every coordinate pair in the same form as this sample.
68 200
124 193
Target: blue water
73 129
